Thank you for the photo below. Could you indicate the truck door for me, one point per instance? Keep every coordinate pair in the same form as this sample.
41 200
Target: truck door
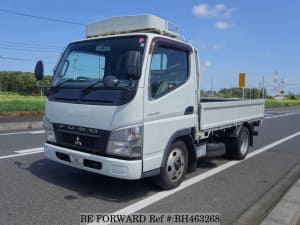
170 100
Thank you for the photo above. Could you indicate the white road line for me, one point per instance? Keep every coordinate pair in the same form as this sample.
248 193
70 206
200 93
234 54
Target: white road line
290 114
29 150
17 155
269 114
25 152
271 117
161 195
38 132
25 132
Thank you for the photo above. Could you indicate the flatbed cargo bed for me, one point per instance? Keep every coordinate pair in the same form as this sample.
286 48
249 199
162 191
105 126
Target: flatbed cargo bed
220 113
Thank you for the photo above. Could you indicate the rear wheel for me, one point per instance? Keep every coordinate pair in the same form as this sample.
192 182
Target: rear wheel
237 148
175 167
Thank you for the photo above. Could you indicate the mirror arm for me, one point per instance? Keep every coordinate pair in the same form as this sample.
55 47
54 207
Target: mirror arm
40 85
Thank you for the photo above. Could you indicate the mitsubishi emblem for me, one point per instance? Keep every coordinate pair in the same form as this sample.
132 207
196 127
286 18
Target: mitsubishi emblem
77 141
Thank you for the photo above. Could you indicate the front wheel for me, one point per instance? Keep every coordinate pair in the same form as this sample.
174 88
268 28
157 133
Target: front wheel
237 148
175 166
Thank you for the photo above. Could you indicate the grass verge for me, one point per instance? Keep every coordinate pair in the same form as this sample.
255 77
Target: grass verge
284 103
11 102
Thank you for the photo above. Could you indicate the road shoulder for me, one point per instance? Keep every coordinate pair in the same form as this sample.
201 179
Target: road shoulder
279 201
21 123
287 212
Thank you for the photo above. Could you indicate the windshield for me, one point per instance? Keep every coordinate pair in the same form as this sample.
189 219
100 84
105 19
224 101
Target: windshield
87 62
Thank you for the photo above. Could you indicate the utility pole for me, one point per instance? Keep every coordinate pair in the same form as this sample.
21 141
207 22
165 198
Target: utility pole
0 81
243 93
282 92
263 87
1 89
211 85
276 85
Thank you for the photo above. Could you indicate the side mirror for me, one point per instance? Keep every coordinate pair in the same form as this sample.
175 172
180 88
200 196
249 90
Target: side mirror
39 70
134 64
110 81
39 74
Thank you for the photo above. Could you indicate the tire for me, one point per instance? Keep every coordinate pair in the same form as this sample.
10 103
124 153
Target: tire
175 166
237 148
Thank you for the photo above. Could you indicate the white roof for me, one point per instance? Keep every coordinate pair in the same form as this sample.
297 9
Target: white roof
131 24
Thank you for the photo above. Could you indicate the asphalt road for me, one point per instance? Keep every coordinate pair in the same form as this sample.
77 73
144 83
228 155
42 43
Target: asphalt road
35 190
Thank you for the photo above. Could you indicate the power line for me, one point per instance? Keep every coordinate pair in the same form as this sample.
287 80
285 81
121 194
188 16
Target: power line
41 17
27 50
294 84
29 44
23 59
28 47
19 59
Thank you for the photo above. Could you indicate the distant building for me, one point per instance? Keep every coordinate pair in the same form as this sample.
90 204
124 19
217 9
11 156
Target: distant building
279 97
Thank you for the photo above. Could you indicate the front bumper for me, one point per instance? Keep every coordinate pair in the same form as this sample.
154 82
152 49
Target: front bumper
125 169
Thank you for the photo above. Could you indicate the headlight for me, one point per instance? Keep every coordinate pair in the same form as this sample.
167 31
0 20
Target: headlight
127 142
49 132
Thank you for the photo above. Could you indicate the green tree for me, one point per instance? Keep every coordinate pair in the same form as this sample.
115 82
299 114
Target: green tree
292 96
20 82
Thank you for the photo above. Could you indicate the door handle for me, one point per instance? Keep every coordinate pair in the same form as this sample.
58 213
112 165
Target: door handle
189 110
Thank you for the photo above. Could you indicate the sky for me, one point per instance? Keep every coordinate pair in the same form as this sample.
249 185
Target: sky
254 37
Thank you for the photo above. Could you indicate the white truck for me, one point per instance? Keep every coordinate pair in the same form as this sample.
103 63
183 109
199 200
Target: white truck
125 103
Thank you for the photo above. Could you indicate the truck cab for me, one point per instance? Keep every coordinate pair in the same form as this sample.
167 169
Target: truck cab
125 103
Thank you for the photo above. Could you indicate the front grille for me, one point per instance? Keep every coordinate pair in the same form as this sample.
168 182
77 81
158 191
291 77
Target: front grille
83 139
79 139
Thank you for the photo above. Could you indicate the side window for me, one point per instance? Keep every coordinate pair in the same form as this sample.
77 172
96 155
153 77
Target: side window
159 61
168 70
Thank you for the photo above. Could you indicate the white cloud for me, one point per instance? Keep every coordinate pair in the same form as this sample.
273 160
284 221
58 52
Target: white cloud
217 46
202 10
218 10
208 64
223 25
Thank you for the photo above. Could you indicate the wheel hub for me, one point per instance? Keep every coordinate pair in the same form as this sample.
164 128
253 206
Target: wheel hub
175 164
245 143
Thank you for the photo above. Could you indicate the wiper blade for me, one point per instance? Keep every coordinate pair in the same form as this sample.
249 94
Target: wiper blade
130 84
91 86
126 81
101 81
65 81
61 83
